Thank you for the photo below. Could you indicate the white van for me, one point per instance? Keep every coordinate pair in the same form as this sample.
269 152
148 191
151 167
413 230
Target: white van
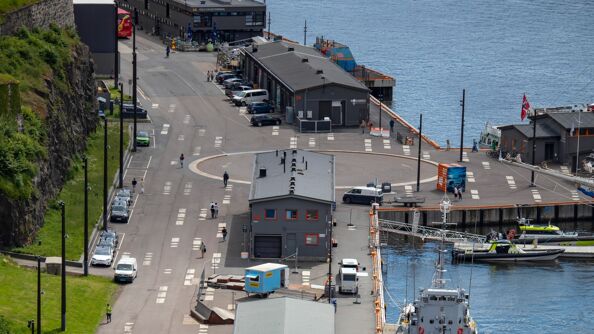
363 195
126 269
248 96
347 280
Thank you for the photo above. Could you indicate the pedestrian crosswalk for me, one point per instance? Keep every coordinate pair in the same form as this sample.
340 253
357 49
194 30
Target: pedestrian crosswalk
305 277
189 278
128 327
387 145
330 136
181 216
565 170
229 187
367 144
536 195
218 141
188 188
196 244
155 106
408 191
167 187
216 259
575 195
486 165
171 108
165 129
148 257
406 149
197 150
426 155
187 119
220 229
180 137
202 214
227 199
470 177
203 329
511 182
275 130
293 142
312 142
465 156
474 194
174 242
162 294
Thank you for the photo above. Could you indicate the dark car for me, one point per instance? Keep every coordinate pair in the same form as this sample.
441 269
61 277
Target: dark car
259 108
224 77
128 112
119 213
229 82
260 120
235 90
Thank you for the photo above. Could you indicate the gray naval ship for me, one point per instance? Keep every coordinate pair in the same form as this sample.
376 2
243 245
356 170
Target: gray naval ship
438 309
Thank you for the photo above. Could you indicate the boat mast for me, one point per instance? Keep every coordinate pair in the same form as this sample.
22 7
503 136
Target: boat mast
438 280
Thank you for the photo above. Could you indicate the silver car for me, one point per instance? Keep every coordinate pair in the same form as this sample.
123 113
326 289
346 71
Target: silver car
103 256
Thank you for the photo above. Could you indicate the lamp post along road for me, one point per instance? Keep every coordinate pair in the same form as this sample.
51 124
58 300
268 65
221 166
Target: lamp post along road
38 294
419 153
86 213
63 328
533 148
462 102
134 88
577 150
121 173
380 98
105 175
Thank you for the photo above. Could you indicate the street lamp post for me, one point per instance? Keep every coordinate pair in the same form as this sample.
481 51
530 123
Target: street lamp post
86 236
462 103
38 294
533 148
105 175
419 153
577 150
380 98
121 173
63 206
116 64
134 89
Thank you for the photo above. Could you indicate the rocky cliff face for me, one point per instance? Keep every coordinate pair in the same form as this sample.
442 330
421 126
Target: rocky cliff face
69 118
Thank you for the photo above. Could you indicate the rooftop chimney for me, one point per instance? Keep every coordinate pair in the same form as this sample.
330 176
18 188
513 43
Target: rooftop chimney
262 172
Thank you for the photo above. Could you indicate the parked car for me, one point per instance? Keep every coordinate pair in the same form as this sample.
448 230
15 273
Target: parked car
260 120
143 138
128 111
119 213
120 201
126 269
125 194
107 241
224 77
234 91
103 255
363 195
248 96
221 73
227 83
110 233
259 108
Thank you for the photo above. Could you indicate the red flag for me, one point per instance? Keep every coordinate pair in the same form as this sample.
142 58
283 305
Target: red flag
525 107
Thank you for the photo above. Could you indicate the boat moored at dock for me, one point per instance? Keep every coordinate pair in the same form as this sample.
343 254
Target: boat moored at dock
504 251
552 235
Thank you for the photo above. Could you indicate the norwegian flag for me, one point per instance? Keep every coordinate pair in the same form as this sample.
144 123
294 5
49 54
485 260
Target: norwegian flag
525 107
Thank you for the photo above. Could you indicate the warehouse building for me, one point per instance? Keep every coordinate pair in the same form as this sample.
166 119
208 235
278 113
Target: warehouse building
200 20
306 85
291 200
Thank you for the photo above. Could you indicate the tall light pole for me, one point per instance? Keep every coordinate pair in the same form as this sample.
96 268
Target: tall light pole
533 148
134 89
63 206
577 150
380 98
462 103
86 229
116 54
305 33
38 294
419 153
105 175
269 25
121 173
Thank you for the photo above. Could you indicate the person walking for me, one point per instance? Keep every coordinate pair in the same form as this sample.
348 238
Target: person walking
208 76
142 185
225 178
392 125
203 249
455 192
212 210
167 50
460 193
224 232
108 313
447 144
216 210
363 126
181 160
134 183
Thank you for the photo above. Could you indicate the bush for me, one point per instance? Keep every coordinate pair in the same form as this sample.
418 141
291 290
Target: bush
4 326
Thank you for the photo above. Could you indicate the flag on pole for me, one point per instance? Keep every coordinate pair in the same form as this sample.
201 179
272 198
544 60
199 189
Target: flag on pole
525 108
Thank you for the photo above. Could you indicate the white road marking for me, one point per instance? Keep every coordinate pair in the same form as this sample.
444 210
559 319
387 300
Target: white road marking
167 271
209 294
426 155
142 93
227 199
312 142
305 276
165 129
408 190
180 137
470 177
196 243
181 216
293 142
197 150
189 276
188 188
474 194
187 119
367 144
220 229
162 294
486 165
203 329
148 257
406 149
216 259
565 170
174 242
201 132
203 213
155 106
387 145
171 108
575 195
465 156
128 327
536 195
229 187
330 136
511 182
218 141
173 162
242 110
275 130
167 188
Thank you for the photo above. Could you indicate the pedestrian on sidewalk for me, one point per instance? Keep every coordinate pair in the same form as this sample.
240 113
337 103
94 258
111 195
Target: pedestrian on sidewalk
134 183
216 210
108 313
363 126
181 160
224 232
447 144
474 146
167 50
142 186
460 193
212 210
392 126
225 178
203 249
208 76
455 192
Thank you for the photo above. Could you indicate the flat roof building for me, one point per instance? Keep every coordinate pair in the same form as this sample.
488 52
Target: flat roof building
200 20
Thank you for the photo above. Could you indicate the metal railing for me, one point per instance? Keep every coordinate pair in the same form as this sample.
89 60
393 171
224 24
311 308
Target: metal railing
431 233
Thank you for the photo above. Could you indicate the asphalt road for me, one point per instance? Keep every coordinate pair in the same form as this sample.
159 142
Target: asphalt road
191 116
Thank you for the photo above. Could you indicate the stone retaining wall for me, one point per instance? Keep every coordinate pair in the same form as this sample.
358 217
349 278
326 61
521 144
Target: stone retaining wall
39 15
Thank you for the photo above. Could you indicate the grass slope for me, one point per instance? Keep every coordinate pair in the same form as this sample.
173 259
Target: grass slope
85 299
73 196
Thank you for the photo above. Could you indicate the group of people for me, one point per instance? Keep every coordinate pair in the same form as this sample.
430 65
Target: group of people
214 210
135 183
458 192
210 76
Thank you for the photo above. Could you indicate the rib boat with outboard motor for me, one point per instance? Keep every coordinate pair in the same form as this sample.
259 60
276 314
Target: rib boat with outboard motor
504 251
551 235
438 309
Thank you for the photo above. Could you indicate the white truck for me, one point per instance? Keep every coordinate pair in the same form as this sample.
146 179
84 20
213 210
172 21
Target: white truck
347 279
126 269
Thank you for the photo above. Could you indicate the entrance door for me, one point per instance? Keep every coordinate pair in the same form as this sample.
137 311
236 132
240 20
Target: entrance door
325 109
291 244
549 151
268 246
336 113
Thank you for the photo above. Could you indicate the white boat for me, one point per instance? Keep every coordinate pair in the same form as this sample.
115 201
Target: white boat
490 137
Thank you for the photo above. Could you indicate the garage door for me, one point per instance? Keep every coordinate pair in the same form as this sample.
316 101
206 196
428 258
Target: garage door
268 246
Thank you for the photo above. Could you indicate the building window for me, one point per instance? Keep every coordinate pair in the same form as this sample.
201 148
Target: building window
146 4
254 19
311 215
312 239
291 214
269 214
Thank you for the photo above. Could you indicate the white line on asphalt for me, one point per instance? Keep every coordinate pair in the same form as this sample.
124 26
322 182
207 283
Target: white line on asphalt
312 142
305 277
536 195
128 327
387 145
486 165
227 199
154 139
167 271
220 229
408 190
196 243
188 188
189 276
218 141
470 177
426 155
118 250
511 182
173 162
474 194
197 150
406 149
465 157
201 132
180 137
132 210
293 142
275 130
167 188
162 294
148 257
187 119
330 136
165 129
565 170
171 108
229 187
202 215
575 195
142 94
367 144
174 242
155 106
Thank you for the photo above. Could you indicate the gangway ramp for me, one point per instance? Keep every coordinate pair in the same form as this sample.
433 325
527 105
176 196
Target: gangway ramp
431 233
